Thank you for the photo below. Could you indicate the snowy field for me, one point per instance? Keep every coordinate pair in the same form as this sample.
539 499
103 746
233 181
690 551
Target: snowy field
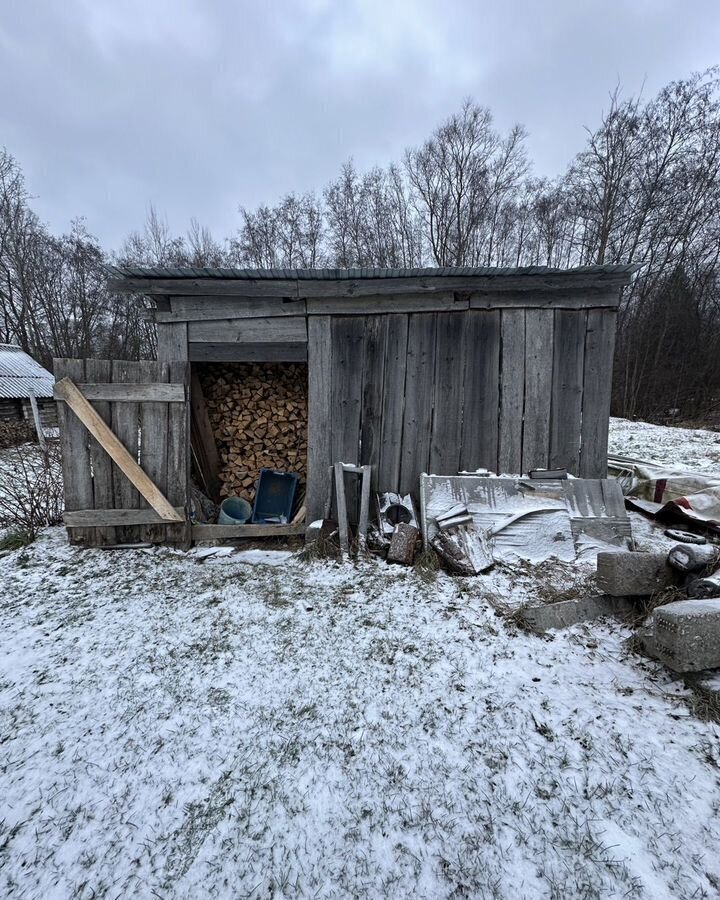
174 726
691 449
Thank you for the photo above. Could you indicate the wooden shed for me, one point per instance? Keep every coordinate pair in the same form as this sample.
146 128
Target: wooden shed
418 370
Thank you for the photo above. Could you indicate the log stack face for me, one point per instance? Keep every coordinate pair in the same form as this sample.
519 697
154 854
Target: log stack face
258 413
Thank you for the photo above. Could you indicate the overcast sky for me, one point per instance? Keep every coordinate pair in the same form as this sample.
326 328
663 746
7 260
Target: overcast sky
197 106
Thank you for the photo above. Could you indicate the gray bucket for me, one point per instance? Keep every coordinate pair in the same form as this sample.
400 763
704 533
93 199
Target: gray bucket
234 511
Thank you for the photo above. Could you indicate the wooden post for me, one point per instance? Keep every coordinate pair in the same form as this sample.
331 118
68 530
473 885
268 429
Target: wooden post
38 423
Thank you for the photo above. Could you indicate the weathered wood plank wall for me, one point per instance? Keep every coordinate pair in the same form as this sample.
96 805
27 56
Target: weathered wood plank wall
146 405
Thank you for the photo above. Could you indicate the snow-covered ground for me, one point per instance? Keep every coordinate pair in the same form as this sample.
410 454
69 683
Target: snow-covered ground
245 725
180 727
691 449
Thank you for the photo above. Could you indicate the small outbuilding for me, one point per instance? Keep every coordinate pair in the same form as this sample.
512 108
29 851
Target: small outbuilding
22 381
410 371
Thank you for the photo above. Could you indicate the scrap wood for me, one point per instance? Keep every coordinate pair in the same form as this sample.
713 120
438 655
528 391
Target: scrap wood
705 588
402 544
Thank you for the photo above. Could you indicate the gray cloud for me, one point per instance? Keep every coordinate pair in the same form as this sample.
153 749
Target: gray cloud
110 105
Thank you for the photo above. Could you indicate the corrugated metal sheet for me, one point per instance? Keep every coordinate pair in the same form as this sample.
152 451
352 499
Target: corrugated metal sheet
316 274
20 374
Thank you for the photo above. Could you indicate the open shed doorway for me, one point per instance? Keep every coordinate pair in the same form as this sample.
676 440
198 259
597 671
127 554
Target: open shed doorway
257 415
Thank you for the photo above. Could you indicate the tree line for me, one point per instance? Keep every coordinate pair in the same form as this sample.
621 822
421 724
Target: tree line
645 188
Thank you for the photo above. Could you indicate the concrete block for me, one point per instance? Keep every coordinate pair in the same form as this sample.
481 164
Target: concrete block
687 635
568 612
628 573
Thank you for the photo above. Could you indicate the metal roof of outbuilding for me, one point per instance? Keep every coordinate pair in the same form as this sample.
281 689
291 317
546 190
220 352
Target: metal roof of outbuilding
21 375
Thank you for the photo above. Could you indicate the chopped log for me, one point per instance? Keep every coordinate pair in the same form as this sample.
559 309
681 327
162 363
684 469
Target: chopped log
402 544
693 557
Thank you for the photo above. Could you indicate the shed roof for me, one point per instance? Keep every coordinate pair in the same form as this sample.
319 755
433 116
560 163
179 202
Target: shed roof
21 375
151 272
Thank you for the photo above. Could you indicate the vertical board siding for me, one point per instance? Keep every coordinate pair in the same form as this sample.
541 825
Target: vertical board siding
512 390
447 421
418 412
372 397
320 380
539 328
99 371
481 395
396 348
178 455
153 441
77 478
348 342
569 353
597 386
126 425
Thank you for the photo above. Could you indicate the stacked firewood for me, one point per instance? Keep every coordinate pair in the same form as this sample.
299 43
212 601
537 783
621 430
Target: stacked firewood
258 413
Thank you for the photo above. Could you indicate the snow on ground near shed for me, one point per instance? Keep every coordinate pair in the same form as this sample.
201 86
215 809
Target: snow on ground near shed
689 449
180 727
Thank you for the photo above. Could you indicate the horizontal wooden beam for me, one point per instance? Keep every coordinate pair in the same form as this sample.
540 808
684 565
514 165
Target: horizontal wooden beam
442 301
240 352
225 532
268 330
188 309
99 518
589 299
158 392
364 287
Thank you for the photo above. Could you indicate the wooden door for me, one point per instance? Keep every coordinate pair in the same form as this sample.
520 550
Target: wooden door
107 407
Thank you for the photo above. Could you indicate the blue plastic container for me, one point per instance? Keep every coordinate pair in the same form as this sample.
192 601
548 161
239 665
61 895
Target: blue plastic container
234 511
274 497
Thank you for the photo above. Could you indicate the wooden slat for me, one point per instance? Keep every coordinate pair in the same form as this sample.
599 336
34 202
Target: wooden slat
372 398
103 496
188 309
597 388
417 415
110 442
268 330
131 393
385 304
104 520
481 391
539 327
557 299
446 435
172 339
319 417
567 390
354 287
230 532
153 440
342 509
178 457
75 442
239 352
348 340
512 389
126 425
387 477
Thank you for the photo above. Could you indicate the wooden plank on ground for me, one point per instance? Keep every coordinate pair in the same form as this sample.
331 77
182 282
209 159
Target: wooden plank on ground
235 532
188 309
372 397
481 391
348 347
320 375
75 444
241 352
387 476
268 330
112 445
539 327
99 370
446 435
597 389
568 353
512 390
417 415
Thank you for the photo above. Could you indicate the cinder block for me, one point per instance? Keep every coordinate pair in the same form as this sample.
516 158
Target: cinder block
687 635
629 573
